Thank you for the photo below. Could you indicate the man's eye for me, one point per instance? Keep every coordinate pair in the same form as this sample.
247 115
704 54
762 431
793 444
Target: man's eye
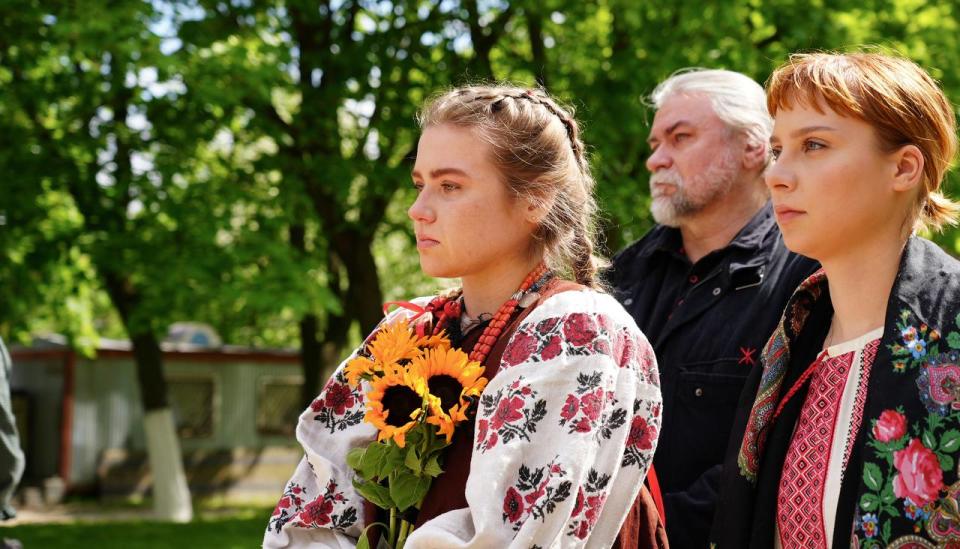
418 187
681 137
446 186
775 152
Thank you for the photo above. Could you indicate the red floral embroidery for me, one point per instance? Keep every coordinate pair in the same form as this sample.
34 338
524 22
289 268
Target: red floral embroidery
512 505
891 426
288 507
319 513
590 500
579 329
339 406
643 434
508 411
521 347
552 349
536 494
570 407
919 476
590 411
513 412
339 397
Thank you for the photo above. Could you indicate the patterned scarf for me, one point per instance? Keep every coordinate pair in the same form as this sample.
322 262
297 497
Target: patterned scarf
776 358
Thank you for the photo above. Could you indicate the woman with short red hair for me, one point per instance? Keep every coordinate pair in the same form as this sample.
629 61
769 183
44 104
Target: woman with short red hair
852 430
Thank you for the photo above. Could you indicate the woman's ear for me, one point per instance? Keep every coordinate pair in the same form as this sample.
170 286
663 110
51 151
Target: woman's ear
537 210
908 168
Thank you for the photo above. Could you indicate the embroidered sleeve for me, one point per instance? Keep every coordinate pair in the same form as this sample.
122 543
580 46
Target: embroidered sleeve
565 433
319 506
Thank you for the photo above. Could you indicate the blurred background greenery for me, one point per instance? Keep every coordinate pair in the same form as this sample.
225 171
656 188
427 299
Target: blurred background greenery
245 163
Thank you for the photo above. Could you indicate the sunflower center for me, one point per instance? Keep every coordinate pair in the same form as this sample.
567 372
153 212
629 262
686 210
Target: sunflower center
400 401
447 388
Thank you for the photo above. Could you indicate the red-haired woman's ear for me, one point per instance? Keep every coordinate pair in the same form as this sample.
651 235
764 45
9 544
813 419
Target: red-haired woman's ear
909 168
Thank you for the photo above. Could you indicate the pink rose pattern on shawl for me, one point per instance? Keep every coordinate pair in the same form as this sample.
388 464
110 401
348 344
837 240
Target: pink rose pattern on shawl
911 472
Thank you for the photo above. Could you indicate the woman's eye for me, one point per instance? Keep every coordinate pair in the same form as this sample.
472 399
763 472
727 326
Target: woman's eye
775 152
813 145
418 187
446 186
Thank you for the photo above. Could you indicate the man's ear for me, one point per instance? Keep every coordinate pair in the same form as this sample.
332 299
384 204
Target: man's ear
908 166
755 155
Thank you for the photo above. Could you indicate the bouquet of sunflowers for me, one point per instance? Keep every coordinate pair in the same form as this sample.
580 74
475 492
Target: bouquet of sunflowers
419 390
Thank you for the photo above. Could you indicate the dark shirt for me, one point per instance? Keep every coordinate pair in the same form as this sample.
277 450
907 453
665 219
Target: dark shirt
707 323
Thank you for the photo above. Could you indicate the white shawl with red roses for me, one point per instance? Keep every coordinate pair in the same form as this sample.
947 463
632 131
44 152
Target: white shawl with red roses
565 433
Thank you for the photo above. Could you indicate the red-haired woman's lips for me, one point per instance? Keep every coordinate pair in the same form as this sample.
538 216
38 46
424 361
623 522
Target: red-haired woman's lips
786 213
425 242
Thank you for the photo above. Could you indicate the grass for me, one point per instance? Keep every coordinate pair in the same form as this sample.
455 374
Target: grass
241 529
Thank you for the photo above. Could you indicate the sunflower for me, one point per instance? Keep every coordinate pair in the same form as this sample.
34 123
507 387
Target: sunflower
395 403
450 377
357 368
394 344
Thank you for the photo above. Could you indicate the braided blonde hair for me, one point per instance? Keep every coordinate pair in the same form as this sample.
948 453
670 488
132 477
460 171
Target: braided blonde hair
536 145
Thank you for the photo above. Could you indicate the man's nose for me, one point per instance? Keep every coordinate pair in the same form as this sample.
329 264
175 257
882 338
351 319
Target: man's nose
659 159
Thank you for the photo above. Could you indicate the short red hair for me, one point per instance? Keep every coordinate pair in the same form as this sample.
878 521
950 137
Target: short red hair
892 94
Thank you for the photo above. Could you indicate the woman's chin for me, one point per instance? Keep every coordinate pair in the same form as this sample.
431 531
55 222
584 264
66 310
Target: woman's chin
434 269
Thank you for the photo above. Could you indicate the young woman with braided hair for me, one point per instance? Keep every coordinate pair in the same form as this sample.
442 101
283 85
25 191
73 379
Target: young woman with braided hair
567 425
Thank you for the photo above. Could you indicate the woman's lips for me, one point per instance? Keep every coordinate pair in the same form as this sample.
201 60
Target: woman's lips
424 243
786 213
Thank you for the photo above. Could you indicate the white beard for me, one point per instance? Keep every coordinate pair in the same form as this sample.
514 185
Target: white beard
695 194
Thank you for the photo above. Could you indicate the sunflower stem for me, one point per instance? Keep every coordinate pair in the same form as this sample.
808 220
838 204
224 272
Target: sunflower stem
393 527
405 528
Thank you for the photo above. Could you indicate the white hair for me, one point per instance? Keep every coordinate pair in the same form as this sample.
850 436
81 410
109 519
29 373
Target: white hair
737 99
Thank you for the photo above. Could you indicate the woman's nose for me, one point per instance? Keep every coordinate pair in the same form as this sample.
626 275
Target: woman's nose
421 210
779 176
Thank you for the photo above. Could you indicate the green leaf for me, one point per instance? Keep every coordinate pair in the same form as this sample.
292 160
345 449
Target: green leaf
368 461
363 542
885 531
869 502
928 440
392 461
872 477
953 340
950 441
407 489
432 467
374 493
887 496
412 460
946 461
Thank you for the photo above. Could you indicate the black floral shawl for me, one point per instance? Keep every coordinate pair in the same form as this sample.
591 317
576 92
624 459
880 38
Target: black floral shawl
900 487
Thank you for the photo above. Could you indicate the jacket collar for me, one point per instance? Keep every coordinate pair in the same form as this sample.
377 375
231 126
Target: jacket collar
749 238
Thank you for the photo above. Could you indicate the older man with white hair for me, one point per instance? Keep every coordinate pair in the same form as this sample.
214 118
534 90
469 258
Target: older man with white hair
708 283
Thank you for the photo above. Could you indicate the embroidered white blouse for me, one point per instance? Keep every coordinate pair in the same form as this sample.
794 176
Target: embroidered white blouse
564 435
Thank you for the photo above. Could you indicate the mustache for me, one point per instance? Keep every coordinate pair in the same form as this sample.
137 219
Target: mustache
666 177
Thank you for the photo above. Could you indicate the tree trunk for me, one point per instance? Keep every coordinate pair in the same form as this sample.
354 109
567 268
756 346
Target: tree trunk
171 495
310 359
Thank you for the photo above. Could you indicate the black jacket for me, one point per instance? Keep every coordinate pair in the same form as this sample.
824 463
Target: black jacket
914 383
707 322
